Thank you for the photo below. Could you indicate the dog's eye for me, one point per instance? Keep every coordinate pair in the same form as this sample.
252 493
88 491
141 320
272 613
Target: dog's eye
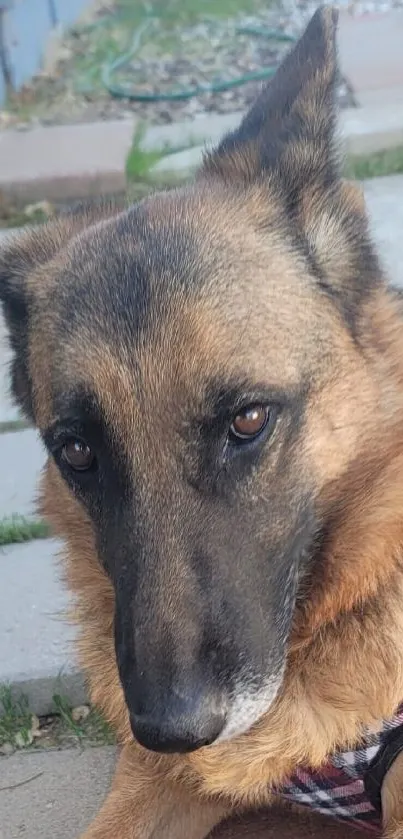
249 423
78 455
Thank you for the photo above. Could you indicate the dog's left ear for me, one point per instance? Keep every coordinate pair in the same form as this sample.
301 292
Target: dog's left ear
290 129
286 146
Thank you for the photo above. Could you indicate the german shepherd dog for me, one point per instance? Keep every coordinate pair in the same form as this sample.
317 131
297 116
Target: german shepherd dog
217 375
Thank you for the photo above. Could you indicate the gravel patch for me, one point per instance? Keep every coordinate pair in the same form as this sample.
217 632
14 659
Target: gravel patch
180 45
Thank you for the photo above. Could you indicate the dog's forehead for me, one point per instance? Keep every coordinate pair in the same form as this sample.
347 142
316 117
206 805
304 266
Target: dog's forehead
122 271
167 297
172 250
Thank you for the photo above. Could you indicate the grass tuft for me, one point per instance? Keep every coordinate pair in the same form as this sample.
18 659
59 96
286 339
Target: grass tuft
17 529
92 728
67 727
15 719
376 165
13 425
139 161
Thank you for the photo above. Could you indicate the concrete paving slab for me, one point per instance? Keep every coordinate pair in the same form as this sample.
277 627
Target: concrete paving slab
36 656
370 50
208 128
64 162
55 795
22 457
373 128
384 97
384 198
181 164
66 790
8 411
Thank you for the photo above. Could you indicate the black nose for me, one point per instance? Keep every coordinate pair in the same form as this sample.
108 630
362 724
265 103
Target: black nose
181 726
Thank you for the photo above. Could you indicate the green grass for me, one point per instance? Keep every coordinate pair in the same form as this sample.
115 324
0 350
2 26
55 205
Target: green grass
93 727
15 719
13 425
139 162
64 710
17 529
18 218
379 164
12 216
21 729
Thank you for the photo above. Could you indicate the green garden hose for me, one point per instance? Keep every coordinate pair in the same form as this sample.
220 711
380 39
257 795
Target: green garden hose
120 91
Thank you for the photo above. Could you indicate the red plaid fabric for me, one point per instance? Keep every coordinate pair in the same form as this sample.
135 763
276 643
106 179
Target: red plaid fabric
338 789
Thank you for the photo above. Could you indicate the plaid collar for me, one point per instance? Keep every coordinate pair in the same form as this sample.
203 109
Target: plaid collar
348 786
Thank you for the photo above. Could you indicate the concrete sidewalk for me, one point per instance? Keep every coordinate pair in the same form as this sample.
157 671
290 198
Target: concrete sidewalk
384 199
36 641
35 644
22 458
67 788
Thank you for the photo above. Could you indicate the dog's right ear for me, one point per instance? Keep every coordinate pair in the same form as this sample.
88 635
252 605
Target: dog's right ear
18 258
21 260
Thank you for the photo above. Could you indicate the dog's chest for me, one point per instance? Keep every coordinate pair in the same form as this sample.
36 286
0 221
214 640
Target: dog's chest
349 785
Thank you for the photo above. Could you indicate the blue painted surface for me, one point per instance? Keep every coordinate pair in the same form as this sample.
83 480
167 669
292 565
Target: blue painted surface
28 24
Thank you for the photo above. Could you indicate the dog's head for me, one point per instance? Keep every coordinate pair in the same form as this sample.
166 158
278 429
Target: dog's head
194 369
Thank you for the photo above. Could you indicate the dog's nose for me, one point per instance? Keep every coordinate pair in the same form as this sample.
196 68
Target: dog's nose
182 726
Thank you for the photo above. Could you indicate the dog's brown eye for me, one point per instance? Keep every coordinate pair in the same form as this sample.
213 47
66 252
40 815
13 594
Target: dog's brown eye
78 455
249 423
